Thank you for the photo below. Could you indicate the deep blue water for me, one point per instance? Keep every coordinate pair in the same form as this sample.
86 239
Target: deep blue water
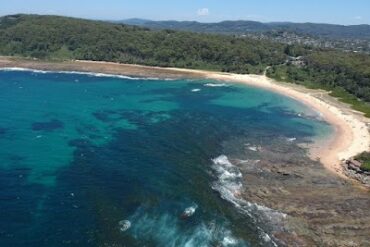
83 155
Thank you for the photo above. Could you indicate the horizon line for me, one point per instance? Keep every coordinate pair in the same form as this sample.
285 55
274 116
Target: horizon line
174 20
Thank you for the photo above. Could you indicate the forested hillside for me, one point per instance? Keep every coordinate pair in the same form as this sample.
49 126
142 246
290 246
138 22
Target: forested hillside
68 38
347 75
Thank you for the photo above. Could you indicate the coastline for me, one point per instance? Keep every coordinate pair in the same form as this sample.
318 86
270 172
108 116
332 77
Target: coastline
351 135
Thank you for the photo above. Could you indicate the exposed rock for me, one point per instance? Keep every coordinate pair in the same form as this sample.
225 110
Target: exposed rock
352 169
322 209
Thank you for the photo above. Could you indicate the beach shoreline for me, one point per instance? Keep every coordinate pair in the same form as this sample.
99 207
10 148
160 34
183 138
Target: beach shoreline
351 134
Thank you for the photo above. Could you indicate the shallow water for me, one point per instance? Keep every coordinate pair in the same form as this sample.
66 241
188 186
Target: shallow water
104 161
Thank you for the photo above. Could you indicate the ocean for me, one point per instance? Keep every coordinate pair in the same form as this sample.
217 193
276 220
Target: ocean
101 160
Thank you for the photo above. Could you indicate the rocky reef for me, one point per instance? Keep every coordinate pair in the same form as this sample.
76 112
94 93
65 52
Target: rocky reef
322 209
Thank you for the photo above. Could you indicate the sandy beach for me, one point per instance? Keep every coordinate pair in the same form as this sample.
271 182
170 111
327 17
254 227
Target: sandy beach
323 207
351 128
351 135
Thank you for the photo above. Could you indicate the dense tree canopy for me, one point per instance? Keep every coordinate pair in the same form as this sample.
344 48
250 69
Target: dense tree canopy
64 38
346 74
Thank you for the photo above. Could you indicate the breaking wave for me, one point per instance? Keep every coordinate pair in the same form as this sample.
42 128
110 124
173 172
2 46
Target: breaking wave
124 225
229 185
188 212
292 139
216 85
168 230
83 73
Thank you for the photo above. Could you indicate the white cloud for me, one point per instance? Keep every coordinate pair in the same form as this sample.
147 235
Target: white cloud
203 12
358 17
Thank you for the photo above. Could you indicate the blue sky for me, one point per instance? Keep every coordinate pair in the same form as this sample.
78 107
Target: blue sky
323 11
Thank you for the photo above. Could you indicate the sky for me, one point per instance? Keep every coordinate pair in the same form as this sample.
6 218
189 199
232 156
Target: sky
346 12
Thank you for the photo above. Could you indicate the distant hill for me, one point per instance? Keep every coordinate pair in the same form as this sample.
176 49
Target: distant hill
346 74
135 21
242 27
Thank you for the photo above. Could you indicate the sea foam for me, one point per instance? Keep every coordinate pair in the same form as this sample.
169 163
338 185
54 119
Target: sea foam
216 85
229 185
83 73
124 225
188 212
166 230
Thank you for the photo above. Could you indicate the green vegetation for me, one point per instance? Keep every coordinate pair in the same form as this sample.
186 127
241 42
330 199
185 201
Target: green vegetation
364 158
366 166
51 37
346 75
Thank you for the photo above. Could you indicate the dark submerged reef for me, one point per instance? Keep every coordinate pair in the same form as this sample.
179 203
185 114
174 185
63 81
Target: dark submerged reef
51 125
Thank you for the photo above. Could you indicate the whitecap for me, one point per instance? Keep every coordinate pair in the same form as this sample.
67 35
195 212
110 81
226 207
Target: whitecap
291 139
188 212
23 69
124 225
253 148
195 90
216 85
229 241
229 185
165 230
84 73
222 160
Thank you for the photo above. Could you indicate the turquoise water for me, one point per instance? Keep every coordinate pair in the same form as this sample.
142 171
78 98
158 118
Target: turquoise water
90 160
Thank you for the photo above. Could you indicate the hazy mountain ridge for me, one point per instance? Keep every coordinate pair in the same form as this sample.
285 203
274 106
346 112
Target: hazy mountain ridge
241 27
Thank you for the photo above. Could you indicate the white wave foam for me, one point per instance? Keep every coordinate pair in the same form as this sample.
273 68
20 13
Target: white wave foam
124 225
266 238
166 230
84 73
229 178
195 90
23 69
188 212
229 185
253 148
248 161
216 85
229 241
291 139
222 160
